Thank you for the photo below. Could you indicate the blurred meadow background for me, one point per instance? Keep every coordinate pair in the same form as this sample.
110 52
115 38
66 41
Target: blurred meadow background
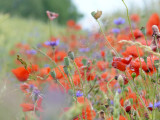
25 22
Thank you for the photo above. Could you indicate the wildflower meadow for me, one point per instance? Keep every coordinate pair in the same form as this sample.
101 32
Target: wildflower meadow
50 71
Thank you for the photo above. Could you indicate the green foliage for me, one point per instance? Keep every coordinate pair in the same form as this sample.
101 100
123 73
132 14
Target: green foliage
37 9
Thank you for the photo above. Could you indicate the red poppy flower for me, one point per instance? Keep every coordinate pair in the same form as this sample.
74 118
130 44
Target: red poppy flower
21 73
104 75
71 23
91 76
132 50
137 34
78 61
153 20
33 68
59 75
150 64
30 107
134 67
103 54
87 112
76 80
135 18
102 65
130 96
121 63
59 56
77 27
24 87
44 71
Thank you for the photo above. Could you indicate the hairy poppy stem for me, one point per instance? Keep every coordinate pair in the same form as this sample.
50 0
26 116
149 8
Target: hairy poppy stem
50 28
108 85
134 87
73 86
107 40
78 74
54 64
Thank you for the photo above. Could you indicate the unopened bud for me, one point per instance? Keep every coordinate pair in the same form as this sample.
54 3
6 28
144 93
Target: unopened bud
71 55
66 61
65 68
120 80
84 61
143 30
133 75
97 14
53 74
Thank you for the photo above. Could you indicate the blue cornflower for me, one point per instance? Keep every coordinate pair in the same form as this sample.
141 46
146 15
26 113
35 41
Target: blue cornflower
111 102
116 30
79 94
119 21
52 43
84 49
157 104
31 52
119 90
35 94
46 65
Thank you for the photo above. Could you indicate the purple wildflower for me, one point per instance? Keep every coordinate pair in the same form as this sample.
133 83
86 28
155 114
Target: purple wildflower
79 94
84 49
116 30
46 65
150 106
111 102
157 104
119 21
35 94
52 43
31 52
31 87
119 90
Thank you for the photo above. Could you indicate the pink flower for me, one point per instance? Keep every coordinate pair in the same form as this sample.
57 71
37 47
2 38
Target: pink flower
52 15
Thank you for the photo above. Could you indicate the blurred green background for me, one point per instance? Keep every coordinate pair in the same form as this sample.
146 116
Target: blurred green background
37 9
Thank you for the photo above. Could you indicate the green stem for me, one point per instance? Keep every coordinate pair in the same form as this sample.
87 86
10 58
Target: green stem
138 95
78 74
54 64
50 28
108 86
107 40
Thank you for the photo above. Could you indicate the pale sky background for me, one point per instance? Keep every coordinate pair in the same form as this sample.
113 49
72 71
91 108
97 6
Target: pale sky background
107 6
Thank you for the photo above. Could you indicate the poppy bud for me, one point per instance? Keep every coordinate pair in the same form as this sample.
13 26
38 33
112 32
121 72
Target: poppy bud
102 115
128 108
84 61
133 75
65 68
155 29
120 80
94 61
66 61
127 103
156 62
143 75
143 30
71 55
53 74
97 14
